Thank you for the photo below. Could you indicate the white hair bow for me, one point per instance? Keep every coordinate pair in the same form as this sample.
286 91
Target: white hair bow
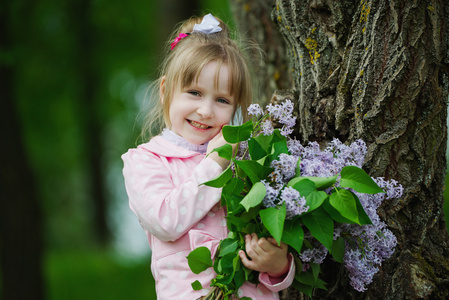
208 25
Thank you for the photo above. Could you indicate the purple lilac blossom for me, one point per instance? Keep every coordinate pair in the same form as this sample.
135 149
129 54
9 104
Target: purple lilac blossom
294 202
270 199
255 110
267 127
314 255
368 245
361 272
286 131
294 147
283 114
330 161
242 153
284 168
376 240
349 155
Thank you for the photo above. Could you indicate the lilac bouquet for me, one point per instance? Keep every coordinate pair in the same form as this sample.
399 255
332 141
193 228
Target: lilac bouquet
319 202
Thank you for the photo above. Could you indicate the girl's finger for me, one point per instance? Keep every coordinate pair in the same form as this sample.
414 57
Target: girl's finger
255 243
265 244
275 243
245 261
251 246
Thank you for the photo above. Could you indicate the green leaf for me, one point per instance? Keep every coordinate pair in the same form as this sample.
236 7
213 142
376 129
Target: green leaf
264 161
277 136
298 264
306 277
249 215
235 134
334 213
320 284
227 265
315 200
254 196
222 179
227 246
239 278
343 201
224 151
321 183
293 234
235 223
223 279
305 187
298 168
364 219
232 203
233 187
249 228
321 226
316 269
338 249
248 273
255 171
355 178
256 151
309 279
197 285
273 219
199 260
264 141
279 148
303 288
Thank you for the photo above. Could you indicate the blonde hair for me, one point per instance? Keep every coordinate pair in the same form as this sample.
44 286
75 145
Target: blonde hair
184 63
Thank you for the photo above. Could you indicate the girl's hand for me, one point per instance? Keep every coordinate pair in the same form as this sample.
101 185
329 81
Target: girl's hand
265 255
216 142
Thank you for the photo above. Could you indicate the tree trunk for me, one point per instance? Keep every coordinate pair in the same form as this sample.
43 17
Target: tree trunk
21 241
253 19
378 71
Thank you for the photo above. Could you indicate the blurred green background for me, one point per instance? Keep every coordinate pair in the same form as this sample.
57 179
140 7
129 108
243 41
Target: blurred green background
81 70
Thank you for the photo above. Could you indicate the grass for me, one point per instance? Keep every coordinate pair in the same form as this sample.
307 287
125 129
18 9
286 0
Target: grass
96 275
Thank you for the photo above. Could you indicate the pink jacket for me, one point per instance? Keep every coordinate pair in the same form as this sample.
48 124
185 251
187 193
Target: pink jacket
178 214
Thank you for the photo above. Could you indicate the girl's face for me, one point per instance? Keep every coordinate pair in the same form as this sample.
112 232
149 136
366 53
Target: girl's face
199 111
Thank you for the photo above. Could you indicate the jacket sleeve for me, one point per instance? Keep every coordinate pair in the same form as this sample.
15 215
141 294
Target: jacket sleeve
276 284
168 204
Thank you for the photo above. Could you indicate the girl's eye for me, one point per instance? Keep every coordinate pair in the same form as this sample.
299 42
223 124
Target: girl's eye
194 93
223 100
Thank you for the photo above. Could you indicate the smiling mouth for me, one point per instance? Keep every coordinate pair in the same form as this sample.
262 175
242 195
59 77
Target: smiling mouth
198 125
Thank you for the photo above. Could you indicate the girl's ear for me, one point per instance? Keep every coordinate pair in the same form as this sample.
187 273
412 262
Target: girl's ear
162 89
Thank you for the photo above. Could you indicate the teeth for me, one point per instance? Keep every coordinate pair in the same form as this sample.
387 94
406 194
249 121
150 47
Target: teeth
198 125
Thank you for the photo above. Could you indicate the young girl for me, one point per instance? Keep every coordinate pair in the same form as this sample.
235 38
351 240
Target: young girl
204 80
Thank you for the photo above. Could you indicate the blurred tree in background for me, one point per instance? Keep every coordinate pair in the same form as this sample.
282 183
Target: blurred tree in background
74 75
20 211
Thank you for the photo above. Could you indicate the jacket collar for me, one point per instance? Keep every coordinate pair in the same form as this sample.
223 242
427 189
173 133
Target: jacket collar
163 147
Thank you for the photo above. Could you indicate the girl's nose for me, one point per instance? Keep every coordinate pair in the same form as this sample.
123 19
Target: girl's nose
205 109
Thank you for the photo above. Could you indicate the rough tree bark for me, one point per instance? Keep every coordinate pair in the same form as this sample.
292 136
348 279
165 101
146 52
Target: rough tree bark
377 70
273 70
